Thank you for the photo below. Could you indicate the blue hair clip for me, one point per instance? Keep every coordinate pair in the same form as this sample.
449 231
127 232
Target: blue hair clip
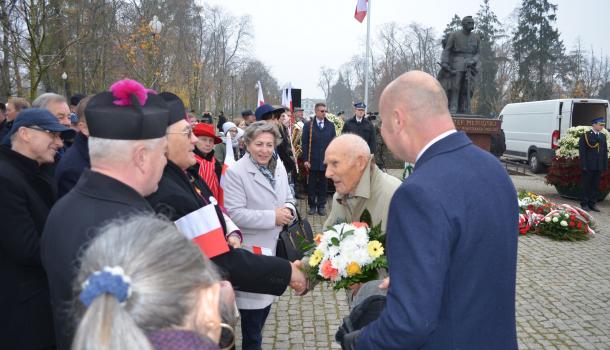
110 280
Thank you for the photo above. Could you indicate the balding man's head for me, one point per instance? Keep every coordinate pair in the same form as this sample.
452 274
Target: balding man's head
346 158
413 111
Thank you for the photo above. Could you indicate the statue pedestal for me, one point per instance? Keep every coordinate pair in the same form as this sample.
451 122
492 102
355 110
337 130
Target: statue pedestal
478 128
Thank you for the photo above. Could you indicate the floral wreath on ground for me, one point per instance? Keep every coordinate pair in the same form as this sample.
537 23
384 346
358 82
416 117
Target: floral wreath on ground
538 215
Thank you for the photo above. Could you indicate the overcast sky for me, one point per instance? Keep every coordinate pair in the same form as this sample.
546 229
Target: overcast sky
294 38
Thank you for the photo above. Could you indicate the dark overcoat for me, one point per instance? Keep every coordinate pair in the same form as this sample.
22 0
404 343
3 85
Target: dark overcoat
592 157
452 253
71 165
176 197
27 195
364 129
320 138
72 223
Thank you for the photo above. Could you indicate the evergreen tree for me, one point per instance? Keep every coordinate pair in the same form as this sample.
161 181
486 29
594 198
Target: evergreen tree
487 25
537 50
340 97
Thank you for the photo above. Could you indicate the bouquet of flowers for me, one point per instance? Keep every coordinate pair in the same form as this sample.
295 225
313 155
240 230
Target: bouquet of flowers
346 254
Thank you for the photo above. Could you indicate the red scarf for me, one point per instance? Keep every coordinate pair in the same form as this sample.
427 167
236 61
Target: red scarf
208 174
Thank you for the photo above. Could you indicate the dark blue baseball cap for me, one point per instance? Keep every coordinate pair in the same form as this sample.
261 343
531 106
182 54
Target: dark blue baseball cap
43 119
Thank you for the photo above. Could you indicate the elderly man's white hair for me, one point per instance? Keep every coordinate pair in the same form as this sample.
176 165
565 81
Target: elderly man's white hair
356 144
47 98
116 151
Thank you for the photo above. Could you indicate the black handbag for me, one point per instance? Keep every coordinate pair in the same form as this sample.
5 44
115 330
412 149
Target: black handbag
292 238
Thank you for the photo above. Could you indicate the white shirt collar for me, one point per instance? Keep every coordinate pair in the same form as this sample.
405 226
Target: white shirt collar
433 141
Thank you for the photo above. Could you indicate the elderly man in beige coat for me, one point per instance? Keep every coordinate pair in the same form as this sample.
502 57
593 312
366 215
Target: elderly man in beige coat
359 183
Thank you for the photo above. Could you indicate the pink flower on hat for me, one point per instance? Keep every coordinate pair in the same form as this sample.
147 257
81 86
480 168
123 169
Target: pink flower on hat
123 89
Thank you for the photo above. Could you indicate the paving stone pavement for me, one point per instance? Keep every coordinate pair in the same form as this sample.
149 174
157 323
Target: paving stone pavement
563 292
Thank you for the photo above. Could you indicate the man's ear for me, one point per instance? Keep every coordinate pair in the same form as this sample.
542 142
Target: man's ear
140 154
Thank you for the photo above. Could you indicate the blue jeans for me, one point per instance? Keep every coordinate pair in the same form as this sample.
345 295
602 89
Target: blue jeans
252 322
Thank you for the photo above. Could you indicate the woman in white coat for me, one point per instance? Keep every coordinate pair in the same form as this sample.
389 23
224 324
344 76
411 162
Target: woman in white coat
259 200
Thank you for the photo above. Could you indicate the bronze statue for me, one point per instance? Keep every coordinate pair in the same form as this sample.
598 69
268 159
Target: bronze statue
459 66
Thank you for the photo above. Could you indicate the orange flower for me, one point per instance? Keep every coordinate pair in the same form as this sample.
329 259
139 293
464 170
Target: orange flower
328 271
358 224
318 238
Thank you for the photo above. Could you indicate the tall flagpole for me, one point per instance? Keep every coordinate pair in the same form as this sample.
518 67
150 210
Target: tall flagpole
366 56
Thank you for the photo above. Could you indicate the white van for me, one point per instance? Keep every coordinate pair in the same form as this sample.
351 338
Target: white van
533 129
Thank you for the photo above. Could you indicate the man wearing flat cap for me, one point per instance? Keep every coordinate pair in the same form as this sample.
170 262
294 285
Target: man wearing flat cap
27 193
127 146
361 126
593 155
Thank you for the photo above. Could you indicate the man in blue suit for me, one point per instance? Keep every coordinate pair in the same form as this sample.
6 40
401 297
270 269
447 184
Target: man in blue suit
452 233
316 136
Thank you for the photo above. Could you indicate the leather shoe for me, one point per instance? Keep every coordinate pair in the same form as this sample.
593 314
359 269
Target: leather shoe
312 211
321 211
584 207
594 208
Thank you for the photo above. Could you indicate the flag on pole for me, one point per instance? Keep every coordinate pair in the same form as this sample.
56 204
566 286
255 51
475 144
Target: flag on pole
261 99
361 7
287 96
204 229
229 155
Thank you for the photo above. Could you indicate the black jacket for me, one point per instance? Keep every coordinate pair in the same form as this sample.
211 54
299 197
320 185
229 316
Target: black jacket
72 223
71 165
284 150
364 129
27 195
248 272
320 138
593 157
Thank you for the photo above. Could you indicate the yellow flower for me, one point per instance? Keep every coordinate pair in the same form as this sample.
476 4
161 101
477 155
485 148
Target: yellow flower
375 249
315 258
353 269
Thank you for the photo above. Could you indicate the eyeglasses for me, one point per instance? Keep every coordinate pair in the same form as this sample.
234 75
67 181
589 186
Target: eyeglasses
188 133
53 134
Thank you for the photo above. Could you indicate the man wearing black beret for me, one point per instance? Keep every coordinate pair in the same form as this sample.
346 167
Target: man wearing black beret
127 146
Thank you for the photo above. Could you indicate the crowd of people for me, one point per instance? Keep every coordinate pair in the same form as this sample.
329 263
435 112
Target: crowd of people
91 187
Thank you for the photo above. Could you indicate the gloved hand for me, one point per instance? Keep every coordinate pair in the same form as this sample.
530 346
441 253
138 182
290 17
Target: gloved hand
349 340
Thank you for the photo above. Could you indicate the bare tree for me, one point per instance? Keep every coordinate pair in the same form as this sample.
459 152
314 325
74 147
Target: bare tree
326 80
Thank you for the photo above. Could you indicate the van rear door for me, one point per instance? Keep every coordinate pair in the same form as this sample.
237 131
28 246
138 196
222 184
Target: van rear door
583 111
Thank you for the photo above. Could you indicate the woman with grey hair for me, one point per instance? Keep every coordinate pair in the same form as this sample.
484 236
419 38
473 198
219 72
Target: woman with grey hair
259 201
142 285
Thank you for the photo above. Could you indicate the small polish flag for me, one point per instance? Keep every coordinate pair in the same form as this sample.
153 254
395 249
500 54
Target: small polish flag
229 156
259 250
203 228
261 99
361 8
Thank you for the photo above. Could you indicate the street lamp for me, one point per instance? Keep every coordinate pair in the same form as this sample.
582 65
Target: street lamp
155 26
64 76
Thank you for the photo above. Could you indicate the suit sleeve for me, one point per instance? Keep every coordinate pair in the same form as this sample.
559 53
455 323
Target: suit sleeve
19 238
373 139
66 180
418 244
255 273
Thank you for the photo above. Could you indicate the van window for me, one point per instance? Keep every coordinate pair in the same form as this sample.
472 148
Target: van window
583 113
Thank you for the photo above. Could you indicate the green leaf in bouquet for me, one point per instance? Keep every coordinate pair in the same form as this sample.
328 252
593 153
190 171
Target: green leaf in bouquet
334 241
375 234
347 234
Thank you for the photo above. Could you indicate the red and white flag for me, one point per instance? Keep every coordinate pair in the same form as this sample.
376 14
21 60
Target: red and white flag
259 250
261 99
361 8
204 229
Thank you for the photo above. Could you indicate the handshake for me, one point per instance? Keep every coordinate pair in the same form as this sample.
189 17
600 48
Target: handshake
299 281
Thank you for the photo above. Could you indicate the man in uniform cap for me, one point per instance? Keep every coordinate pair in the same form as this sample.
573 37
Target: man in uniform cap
27 194
361 126
127 146
593 155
